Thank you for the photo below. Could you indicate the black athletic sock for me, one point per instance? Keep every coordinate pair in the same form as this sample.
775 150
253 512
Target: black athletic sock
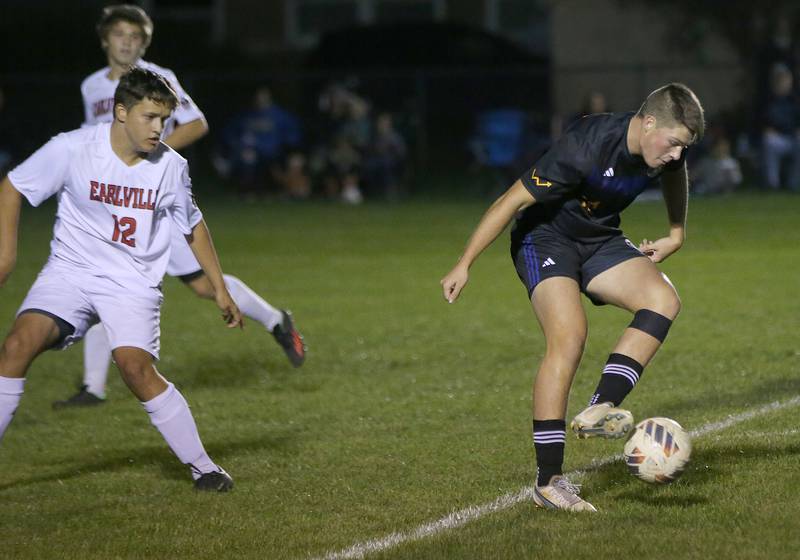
619 377
548 439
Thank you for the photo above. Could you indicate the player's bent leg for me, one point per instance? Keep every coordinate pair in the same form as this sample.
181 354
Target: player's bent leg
638 286
279 322
139 373
31 334
169 413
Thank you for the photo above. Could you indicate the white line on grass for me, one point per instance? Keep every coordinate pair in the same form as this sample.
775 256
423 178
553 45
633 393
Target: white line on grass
471 513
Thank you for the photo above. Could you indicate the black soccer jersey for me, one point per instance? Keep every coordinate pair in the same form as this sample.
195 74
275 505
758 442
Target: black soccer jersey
586 179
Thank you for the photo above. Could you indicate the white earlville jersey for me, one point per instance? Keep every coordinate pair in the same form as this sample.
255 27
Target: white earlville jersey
98 98
113 220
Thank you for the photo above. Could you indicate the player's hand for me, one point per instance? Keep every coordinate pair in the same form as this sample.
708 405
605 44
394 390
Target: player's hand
660 249
230 312
454 282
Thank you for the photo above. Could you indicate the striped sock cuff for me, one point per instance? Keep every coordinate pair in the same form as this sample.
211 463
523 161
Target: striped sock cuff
553 436
549 431
625 367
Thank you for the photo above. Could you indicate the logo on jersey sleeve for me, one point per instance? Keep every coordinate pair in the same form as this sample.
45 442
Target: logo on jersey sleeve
539 182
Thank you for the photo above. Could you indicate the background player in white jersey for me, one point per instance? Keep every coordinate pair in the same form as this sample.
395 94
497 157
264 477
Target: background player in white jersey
120 193
125 32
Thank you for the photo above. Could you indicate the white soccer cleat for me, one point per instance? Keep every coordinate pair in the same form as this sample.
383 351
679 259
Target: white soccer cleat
561 494
602 420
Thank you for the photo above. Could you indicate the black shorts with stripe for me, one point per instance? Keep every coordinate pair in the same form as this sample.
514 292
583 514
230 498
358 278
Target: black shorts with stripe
544 253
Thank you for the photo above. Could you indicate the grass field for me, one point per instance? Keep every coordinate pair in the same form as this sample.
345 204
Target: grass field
409 409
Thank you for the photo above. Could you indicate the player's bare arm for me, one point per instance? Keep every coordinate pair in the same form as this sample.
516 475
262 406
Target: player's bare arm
494 221
187 134
675 186
10 204
203 249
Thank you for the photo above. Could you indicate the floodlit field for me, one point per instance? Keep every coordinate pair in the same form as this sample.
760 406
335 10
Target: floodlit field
409 409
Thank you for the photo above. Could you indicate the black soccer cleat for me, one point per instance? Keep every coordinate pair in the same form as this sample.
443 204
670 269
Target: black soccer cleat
82 398
216 481
290 340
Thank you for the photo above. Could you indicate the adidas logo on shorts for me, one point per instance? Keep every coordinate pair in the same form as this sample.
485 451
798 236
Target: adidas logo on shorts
548 262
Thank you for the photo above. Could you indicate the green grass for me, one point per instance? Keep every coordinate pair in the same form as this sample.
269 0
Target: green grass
409 408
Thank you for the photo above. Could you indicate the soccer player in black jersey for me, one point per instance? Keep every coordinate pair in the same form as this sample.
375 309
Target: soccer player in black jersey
566 241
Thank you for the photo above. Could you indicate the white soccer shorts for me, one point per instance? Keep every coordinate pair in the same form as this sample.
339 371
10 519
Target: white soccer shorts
130 315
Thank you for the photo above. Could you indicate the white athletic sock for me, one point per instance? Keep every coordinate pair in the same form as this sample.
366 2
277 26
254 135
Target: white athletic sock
11 389
251 304
96 358
170 413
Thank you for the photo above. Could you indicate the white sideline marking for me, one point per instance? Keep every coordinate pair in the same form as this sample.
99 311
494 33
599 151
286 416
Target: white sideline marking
471 513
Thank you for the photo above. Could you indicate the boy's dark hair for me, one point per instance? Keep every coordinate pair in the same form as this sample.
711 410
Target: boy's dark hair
125 12
676 104
137 84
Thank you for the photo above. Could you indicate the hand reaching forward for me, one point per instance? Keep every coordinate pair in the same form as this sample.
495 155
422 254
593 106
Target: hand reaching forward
230 312
454 282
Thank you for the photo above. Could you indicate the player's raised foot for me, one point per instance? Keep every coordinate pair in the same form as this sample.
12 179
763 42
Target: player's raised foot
290 340
216 481
560 493
602 420
82 398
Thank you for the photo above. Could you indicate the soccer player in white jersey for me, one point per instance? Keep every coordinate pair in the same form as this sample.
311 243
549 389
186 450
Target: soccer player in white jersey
125 32
120 192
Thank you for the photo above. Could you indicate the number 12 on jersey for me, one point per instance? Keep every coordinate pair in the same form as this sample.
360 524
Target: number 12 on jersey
124 228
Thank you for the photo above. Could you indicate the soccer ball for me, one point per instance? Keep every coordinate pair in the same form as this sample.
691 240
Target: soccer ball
658 450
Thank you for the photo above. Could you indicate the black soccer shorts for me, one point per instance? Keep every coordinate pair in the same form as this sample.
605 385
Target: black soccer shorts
544 253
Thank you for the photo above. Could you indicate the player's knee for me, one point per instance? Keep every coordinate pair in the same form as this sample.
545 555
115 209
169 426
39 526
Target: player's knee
135 368
17 346
666 302
567 348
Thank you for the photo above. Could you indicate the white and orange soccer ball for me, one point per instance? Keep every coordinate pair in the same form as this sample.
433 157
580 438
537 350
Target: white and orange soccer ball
658 450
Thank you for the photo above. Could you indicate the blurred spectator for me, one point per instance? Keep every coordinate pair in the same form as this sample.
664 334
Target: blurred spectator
594 102
780 128
716 172
258 146
498 143
333 107
347 130
385 160
780 48
294 177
